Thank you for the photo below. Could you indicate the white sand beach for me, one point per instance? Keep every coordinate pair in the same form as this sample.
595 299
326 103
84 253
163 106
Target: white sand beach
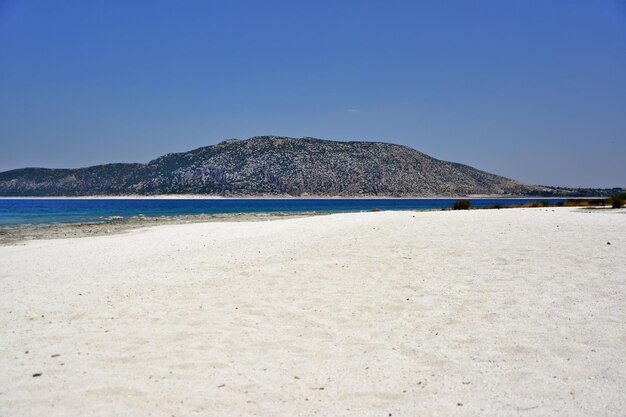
482 312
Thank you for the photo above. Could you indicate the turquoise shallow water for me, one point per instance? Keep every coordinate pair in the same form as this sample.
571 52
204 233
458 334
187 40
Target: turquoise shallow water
23 212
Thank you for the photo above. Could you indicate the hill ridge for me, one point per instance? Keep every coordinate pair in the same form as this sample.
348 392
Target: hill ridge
273 165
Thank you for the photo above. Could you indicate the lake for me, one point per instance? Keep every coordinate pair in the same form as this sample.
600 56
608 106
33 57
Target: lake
24 212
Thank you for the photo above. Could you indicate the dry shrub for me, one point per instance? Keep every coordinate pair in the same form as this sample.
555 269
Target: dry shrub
461 205
576 202
535 204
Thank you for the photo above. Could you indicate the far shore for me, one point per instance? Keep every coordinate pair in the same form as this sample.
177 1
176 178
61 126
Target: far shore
272 197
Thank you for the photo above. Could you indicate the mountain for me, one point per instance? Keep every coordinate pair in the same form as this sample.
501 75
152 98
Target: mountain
270 165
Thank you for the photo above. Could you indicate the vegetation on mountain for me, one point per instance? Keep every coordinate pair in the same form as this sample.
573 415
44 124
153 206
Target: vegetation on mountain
280 166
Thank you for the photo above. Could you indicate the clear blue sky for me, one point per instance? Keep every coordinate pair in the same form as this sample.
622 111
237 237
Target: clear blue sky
534 90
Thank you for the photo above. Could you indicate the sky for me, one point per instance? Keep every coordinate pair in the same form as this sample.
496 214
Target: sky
534 90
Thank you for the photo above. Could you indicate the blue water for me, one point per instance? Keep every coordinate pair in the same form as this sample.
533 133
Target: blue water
21 212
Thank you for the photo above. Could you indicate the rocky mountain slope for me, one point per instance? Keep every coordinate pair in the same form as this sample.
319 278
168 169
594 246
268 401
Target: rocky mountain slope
269 165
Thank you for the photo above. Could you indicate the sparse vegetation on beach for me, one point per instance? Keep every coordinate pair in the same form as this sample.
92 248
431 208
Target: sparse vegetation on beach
616 201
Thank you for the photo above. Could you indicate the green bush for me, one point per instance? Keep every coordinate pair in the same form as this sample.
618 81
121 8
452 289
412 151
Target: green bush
616 202
461 205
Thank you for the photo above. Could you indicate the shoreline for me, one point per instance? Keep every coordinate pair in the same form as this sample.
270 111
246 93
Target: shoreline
287 197
20 234
16 235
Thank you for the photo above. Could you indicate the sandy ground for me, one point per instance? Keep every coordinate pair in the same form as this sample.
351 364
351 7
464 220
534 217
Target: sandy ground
485 312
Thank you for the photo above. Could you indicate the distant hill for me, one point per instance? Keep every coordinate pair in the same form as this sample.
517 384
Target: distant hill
269 165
